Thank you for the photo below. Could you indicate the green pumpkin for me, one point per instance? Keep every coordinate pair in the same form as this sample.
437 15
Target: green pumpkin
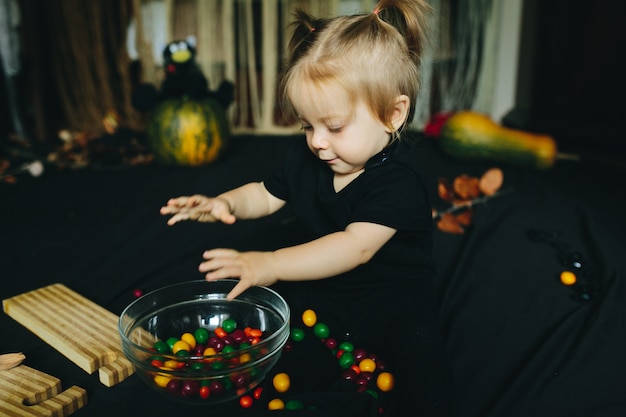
189 132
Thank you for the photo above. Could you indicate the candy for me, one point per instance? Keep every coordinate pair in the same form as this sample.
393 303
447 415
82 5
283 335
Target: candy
385 381
204 392
161 347
276 404
309 318
190 339
246 401
190 388
367 365
214 351
362 369
201 335
161 380
229 325
180 345
297 334
294 405
281 382
346 360
346 346
321 330
568 278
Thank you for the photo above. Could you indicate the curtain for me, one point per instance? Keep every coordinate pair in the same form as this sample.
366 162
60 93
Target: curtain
89 49
84 46
244 41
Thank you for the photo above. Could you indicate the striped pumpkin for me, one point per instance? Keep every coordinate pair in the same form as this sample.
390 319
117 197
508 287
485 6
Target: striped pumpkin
183 131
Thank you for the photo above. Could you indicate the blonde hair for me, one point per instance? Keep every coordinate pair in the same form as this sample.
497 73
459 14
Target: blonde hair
372 57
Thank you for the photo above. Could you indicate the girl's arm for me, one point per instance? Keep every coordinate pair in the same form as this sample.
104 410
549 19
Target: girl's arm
325 257
251 201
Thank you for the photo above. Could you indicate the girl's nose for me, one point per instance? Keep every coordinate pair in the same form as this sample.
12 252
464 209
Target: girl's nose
318 140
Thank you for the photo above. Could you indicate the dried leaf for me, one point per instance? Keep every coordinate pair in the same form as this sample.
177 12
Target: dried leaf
491 181
448 223
466 187
444 190
10 360
464 218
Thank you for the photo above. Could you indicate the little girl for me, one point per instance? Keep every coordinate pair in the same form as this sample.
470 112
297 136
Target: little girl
353 184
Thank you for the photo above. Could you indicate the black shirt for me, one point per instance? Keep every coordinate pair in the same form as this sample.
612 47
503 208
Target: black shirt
388 305
389 192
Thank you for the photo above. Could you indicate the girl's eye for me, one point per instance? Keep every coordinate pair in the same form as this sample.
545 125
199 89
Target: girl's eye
306 128
335 129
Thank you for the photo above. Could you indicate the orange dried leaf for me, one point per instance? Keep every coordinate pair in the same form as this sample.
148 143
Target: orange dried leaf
466 187
464 218
491 181
447 223
444 190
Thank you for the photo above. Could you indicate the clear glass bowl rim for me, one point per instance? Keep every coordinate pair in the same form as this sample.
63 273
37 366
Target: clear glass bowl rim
284 311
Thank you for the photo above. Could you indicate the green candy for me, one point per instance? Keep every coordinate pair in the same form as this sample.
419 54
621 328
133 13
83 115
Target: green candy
294 405
346 360
229 325
217 365
321 330
346 347
297 334
170 341
201 335
372 393
161 347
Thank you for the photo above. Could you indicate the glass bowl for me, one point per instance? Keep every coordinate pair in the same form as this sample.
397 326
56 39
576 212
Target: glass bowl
189 343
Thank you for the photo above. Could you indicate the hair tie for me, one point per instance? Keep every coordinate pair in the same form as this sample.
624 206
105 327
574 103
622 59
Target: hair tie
376 11
312 29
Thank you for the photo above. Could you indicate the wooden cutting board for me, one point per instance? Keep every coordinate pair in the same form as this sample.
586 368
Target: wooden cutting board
81 330
28 392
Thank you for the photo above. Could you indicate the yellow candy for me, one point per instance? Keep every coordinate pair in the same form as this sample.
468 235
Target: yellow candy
568 278
190 339
181 345
209 352
276 404
170 364
245 357
385 381
281 382
367 365
162 380
309 318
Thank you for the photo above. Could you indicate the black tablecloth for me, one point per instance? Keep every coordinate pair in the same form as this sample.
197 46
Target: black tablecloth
520 342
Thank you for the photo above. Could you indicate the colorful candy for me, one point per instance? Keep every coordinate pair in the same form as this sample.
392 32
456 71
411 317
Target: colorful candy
360 368
204 350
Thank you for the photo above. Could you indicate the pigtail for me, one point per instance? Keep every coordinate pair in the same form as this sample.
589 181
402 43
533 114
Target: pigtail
305 28
409 17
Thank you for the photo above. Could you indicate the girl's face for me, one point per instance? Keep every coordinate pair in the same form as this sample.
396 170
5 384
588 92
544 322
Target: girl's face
341 134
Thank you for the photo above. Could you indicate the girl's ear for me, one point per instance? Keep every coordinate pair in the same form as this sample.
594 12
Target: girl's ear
400 111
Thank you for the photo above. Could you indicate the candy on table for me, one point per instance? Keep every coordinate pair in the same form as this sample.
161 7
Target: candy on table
365 370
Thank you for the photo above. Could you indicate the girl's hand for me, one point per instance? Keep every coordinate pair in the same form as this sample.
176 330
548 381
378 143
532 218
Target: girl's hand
252 268
199 208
